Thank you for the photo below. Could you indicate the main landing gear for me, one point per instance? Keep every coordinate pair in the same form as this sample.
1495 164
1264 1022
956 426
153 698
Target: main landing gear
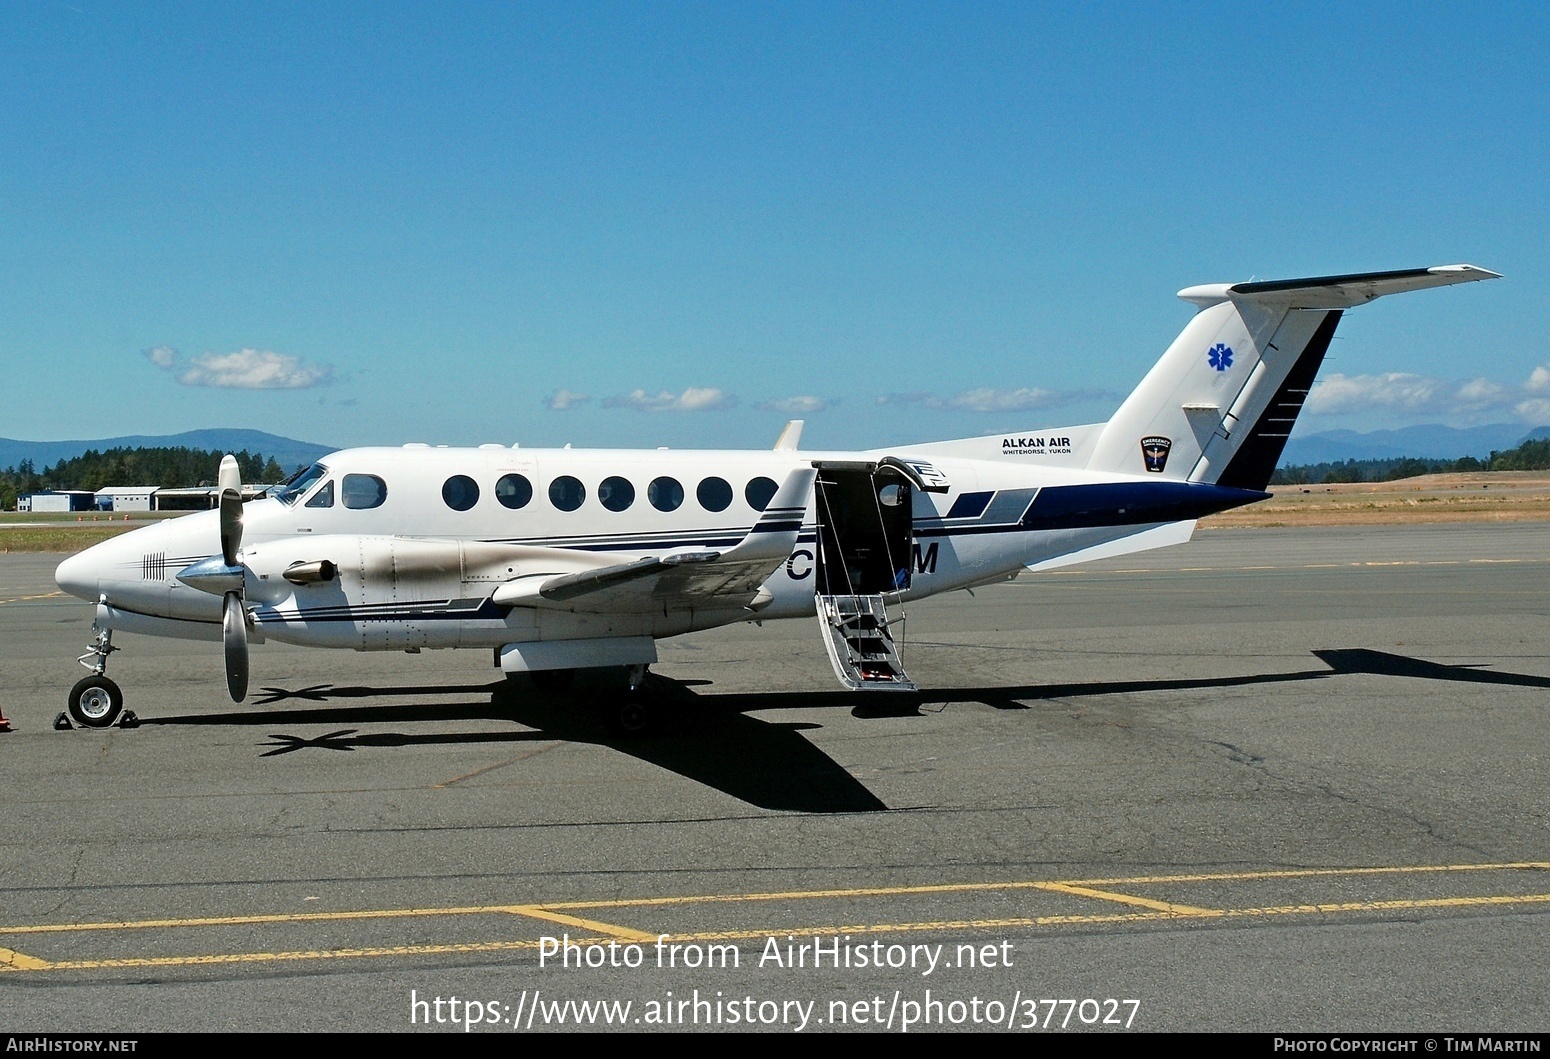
95 701
637 712
622 696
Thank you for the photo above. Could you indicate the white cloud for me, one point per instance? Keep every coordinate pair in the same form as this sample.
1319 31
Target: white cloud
162 356
694 399
246 369
1470 399
919 397
986 399
1535 411
990 399
563 400
797 405
1398 390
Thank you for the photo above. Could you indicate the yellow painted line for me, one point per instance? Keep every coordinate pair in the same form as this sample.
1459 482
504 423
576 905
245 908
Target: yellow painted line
531 911
1394 906
535 912
271 957
939 888
23 599
11 960
1308 873
794 895
243 921
936 926
1128 899
554 908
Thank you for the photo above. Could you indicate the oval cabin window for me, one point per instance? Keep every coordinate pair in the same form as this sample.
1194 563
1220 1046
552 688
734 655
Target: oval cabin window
759 493
460 492
616 493
714 494
665 494
513 491
567 493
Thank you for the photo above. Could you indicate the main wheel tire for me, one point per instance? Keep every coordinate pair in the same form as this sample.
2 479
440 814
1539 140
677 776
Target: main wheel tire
95 702
635 716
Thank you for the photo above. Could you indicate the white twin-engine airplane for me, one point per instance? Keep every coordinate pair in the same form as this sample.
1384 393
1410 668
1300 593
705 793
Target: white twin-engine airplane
563 559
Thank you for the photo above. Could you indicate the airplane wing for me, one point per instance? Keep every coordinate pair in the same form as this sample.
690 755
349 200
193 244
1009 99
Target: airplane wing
691 578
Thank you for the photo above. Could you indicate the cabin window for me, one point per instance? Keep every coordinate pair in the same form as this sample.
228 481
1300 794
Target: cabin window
665 494
616 493
460 492
513 491
567 493
714 494
324 497
363 491
299 483
759 492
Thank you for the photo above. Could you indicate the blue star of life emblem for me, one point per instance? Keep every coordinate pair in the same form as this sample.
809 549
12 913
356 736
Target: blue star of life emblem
1219 357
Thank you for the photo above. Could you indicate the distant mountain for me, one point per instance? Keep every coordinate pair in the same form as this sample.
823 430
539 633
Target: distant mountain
289 453
1426 442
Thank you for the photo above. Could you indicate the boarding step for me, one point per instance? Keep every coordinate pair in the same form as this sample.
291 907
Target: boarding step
861 644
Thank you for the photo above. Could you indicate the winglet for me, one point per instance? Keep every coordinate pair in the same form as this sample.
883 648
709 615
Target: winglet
775 534
791 437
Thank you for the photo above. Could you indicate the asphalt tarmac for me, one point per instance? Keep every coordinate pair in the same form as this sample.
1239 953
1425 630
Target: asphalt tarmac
1272 780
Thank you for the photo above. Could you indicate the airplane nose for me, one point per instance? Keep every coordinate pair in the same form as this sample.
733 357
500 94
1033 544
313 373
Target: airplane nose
77 575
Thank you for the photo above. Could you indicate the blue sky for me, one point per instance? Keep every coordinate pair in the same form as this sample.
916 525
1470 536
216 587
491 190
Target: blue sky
682 224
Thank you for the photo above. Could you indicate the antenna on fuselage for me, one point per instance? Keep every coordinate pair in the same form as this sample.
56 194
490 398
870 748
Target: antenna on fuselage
791 437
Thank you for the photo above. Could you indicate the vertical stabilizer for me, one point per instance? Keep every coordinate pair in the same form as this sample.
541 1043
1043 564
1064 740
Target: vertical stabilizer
1220 404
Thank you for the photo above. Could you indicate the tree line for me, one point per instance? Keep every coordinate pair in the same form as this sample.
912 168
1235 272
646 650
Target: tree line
1533 455
168 468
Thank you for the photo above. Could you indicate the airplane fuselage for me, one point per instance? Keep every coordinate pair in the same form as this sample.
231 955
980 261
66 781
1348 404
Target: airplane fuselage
420 537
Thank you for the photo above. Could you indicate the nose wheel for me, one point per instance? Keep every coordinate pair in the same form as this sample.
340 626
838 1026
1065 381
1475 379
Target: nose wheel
96 701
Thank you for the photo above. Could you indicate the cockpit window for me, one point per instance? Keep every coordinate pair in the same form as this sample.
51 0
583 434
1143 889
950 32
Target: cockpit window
324 497
361 491
299 483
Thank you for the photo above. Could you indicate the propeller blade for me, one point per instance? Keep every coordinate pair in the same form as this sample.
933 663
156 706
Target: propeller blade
230 475
229 478
231 525
234 637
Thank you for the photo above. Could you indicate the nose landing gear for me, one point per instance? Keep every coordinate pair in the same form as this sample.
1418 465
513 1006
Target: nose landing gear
96 701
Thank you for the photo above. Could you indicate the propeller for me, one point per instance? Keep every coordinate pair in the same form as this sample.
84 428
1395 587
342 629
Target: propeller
234 624
225 576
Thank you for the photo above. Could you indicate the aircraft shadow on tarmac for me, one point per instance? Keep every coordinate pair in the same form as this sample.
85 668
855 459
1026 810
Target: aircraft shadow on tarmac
714 740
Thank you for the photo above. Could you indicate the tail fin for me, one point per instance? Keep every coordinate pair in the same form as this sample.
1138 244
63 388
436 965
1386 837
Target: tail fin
1219 405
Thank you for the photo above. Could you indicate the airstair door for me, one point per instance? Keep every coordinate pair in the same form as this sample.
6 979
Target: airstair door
865 538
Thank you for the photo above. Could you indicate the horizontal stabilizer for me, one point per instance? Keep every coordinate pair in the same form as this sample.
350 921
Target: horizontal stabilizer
1337 292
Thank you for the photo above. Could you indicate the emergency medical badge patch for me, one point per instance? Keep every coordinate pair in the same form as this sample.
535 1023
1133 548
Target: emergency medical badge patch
1155 452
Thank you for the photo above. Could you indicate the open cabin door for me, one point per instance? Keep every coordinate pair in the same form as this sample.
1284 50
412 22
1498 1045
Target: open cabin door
865 543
